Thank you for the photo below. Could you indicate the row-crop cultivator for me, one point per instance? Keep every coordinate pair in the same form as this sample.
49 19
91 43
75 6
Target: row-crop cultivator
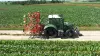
55 27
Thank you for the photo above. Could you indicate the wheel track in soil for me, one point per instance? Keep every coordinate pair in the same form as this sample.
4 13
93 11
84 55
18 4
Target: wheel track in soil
19 35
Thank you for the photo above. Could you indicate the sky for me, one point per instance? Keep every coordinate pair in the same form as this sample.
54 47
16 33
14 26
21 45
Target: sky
23 0
12 0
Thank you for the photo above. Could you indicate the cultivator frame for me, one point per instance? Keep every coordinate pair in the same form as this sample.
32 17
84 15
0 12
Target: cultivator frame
33 27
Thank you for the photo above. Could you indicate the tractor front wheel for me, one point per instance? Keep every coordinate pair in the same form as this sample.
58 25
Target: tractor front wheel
71 34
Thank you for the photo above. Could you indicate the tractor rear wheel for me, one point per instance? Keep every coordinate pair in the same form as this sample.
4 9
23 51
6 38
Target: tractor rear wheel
50 32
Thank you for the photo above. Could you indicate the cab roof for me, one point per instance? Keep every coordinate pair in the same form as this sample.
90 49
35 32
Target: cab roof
54 16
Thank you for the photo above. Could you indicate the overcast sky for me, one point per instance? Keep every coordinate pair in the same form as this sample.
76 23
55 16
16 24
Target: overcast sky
12 0
24 0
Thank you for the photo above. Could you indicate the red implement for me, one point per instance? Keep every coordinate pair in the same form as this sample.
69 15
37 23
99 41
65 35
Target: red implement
34 25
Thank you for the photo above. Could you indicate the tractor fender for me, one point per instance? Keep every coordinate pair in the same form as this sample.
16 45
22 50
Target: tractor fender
50 30
50 25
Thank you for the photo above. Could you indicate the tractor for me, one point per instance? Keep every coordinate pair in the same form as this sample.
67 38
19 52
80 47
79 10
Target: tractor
55 27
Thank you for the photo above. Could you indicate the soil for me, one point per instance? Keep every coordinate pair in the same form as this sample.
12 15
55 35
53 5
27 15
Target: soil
88 36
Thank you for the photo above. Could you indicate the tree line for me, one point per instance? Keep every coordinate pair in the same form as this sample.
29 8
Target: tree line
37 2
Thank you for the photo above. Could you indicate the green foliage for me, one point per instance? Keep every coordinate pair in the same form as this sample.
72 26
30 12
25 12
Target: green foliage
48 48
12 15
28 2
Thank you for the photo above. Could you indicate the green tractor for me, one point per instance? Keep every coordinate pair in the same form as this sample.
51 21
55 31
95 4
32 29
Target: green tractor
56 27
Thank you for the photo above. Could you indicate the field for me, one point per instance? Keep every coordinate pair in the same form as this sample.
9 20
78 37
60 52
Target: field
48 48
82 15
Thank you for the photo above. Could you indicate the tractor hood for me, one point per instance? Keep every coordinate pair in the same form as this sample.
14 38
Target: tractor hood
68 25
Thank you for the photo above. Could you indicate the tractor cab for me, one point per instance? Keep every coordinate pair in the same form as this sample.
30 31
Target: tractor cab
56 20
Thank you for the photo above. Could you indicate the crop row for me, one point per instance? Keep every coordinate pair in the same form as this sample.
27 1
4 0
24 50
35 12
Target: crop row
49 48
79 15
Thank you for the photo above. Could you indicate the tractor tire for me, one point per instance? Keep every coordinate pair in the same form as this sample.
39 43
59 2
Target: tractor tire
71 34
62 35
68 34
46 36
50 32
75 35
